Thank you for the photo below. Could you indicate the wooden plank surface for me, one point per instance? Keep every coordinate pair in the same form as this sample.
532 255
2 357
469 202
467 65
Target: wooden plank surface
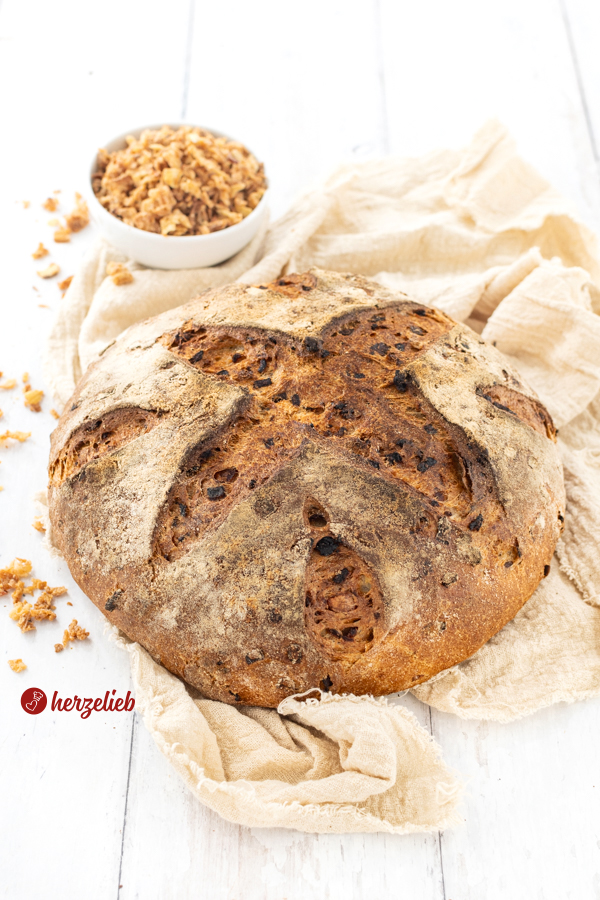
532 807
71 75
300 83
582 27
307 100
92 805
451 66
177 848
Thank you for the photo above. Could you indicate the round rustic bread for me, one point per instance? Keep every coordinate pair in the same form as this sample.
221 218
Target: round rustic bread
315 483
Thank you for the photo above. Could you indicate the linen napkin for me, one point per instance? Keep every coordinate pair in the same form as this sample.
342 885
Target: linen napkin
481 235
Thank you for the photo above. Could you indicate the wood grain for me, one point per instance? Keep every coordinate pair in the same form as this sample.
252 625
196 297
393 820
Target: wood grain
582 27
299 84
450 67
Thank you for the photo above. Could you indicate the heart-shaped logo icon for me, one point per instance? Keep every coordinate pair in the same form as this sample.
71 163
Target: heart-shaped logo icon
34 701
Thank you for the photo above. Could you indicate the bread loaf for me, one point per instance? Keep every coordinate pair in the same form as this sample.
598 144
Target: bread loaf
315 483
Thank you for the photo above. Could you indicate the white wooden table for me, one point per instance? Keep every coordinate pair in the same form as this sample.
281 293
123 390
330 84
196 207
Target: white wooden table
90 808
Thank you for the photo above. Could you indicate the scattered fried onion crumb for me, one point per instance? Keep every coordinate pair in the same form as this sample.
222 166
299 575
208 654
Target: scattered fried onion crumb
74 633
62 235
38 524
49 272
80 216
119 273
20 614
64 284
69 603
51 204
40 252
17 665
8 385
179 182
26 204
33 399
58 648
20 436
24 613
54 414
12 574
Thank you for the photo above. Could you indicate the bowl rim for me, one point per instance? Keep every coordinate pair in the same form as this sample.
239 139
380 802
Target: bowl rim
214 236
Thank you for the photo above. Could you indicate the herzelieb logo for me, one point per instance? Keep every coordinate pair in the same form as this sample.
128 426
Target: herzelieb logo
86 705
33 701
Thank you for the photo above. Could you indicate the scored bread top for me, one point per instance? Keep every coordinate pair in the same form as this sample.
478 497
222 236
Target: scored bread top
312 483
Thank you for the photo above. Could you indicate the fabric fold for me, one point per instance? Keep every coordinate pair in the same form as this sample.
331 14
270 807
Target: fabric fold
338 764
481 235
549 653
445 219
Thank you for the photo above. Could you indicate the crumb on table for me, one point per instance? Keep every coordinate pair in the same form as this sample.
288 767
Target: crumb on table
75 633
62 235
80 216
64 284
54 414
49 272
17 665
20 436
12 574
51 204
40 252
38 524
23 612
32 400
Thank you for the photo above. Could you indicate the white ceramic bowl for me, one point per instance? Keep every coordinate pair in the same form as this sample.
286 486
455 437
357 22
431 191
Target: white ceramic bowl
173 251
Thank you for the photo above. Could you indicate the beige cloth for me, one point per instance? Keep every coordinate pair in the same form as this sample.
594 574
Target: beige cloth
479 234
336 765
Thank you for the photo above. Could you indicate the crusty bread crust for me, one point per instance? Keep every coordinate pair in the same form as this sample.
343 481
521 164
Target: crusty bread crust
313 483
